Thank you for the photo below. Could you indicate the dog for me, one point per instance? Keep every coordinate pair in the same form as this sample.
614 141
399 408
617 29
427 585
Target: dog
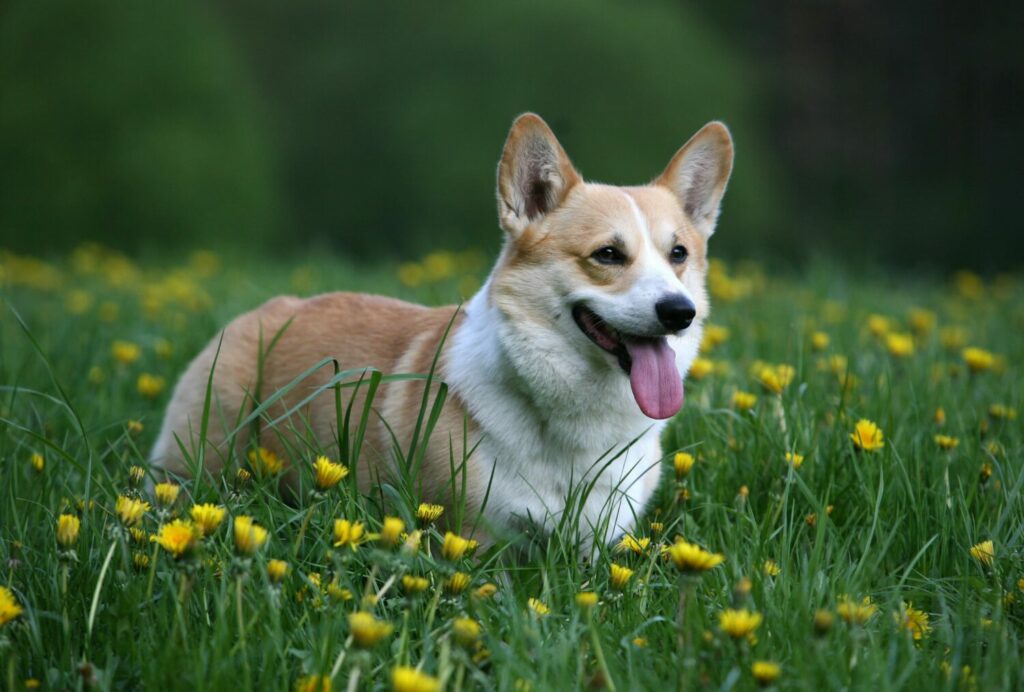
561 371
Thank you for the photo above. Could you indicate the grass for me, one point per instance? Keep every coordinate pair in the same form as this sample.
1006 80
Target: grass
895 525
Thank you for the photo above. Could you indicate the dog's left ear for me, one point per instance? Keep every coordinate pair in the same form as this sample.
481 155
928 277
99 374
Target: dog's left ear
698 173
534 174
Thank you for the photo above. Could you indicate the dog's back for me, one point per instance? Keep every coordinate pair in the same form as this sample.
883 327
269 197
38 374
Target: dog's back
355 331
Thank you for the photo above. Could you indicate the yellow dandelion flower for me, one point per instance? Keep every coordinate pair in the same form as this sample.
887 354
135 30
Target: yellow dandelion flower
743 492
743 401
367 630
978 359
207 517
411 274
466 631
819 341
620 576
867 436
940 416
166 493
485 591
130 510
391 531
921 321
795 460
1001 412
313 683
765 672
775 378
823 620
9 607
348 533
640 642
856 613
408 679
454 546
265 462
586 599
457 583
636 545
657 527
953 338
429 513
879 325
327 473
249 536
163 348
739 623
701 368
899 345
138 536
771 568
947 442
913 620
339 594
691 558
414 585
178 537
68 526
125 352
984 553
151 386
538 607
38 461
277 570
683 463
837 365
714 336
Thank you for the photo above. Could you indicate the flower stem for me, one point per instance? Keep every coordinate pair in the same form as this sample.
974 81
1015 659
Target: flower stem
241 632
602 664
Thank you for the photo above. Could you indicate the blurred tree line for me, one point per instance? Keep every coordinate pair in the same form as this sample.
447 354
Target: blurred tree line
374 128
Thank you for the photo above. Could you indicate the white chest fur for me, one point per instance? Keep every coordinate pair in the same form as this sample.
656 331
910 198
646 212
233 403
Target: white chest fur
559 435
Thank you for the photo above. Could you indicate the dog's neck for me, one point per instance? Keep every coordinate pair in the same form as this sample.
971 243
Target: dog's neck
514 388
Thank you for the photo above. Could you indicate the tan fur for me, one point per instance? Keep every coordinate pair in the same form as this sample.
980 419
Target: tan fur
359 331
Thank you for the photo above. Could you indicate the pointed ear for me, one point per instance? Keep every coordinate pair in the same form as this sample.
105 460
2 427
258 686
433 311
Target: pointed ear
698 173
534 174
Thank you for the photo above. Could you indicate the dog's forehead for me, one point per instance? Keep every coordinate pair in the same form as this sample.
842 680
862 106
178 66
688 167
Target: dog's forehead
646 209
658 206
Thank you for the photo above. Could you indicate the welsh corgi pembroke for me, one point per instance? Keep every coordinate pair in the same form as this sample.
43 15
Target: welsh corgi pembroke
561 371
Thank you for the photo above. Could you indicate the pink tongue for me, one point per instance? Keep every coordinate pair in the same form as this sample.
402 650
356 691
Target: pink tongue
657 387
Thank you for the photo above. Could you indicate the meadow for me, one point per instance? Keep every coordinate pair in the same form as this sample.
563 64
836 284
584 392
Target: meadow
840 507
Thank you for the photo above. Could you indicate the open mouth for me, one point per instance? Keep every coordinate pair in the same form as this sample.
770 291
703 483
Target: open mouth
649 362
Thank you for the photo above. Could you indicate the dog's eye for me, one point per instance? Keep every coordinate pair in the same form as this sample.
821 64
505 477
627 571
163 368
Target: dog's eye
608 255
678 254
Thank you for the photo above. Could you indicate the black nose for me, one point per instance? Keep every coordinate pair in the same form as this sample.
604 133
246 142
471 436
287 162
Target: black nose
675 312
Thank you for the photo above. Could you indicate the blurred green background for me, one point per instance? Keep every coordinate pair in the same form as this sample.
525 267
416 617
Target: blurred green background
884 134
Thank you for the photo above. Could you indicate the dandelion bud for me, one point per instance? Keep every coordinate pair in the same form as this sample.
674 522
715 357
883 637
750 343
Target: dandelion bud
67 530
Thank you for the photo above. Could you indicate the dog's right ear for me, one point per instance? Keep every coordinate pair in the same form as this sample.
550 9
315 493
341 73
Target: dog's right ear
534 174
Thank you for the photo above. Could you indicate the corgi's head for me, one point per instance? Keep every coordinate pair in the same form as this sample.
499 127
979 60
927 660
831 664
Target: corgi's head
611 276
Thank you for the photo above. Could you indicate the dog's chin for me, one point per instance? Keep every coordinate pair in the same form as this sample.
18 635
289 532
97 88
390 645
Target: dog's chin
647 360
